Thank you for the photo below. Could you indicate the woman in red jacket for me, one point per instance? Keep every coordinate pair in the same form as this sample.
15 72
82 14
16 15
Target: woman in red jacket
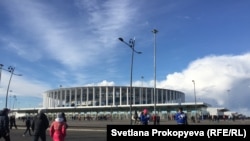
58 128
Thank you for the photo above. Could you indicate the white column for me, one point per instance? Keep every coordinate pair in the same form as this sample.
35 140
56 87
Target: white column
70 94
140 96
94 102
106 96
113 101
87 97
65 95
152 97
128 97
100 98
133 95
100 95
75 97
120 96
54 99
60 101
81 96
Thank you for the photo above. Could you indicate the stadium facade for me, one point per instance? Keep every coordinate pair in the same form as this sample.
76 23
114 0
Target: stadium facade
114 102
93 96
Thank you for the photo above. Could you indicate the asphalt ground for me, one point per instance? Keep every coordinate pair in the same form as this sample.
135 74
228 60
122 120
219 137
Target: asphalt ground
96 130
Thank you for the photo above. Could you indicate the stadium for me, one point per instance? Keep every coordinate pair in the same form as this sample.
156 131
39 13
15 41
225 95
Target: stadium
114 101
109 95
93 102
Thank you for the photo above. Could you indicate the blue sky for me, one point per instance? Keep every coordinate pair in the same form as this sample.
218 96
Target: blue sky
75 43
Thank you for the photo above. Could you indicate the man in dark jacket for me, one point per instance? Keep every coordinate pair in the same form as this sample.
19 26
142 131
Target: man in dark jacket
4 124
39 125
28 125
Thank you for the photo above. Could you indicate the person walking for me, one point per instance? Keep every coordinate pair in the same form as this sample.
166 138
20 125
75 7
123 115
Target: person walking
144 117
4 124
181 117
158 118
64 119
58 128
154 119
28 125
13 121
39 125
135 117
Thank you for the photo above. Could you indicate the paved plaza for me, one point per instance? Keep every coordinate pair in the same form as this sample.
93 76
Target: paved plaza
96 130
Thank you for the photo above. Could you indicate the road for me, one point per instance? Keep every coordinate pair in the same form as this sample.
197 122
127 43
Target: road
96 130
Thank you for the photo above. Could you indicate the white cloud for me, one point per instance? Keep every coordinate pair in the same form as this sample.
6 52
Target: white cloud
213 76
102 83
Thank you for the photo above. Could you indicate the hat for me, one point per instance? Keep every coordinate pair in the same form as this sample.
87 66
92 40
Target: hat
180 108
40 111
59 115
6 110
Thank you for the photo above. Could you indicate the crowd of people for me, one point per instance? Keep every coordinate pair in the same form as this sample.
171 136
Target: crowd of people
37 127
144 118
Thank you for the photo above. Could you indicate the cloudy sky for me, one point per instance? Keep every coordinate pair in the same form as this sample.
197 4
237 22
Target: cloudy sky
75 43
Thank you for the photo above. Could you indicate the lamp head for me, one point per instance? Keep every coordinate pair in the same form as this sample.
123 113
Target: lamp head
154 31
121 39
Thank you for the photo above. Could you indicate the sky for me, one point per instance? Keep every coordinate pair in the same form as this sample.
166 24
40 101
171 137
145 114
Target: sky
72 43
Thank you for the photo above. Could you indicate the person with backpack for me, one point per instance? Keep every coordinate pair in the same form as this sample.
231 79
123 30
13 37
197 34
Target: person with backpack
4 124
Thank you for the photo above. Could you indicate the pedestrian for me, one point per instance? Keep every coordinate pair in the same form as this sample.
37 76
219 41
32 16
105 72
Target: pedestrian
154 119
65 119
135 117
13 122
39 125
58 128
144 117
158 118
4 124
28 125
181 117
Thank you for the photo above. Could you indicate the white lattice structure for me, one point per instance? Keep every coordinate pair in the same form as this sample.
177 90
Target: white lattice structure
109 95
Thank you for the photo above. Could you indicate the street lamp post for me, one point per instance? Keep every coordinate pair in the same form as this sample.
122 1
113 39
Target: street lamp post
1 66
195 101
131 44
10 97
14 101
154 31
11 70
